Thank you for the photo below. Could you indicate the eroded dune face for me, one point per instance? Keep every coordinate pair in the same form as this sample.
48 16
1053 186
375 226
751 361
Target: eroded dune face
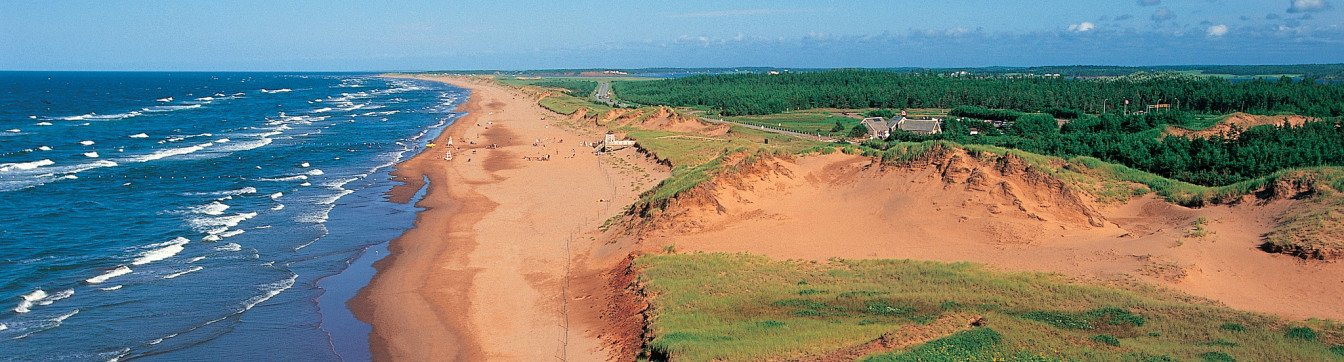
996 210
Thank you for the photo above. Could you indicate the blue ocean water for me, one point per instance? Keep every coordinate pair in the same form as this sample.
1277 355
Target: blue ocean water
190 216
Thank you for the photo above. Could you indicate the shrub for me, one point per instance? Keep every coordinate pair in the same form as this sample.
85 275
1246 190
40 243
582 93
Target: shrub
1106 339
1302 333
1233 327
1338 350
1216 357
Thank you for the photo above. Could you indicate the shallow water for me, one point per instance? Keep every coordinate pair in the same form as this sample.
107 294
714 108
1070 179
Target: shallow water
199 215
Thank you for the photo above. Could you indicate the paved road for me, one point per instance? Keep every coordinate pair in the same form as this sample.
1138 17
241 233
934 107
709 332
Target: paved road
603 94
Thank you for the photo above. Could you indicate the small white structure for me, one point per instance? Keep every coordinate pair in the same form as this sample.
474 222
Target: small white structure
609 143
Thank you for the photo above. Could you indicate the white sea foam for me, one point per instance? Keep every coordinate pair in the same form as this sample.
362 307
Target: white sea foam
304 165
43 123
157 109
91 154
243 191
306 184
165 100
315 172
167 250
172 152
270 291
278 207
274 91
7 167
44 148
3 326
119 271
286 178
55 297
86 143
196 259
222 140
243 145
111 288
322 110
213 208
95 116
217 225
229 247
276 196
184 272
29 299
139 135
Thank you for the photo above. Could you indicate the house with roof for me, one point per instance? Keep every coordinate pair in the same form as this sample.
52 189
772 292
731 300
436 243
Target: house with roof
878 127
920 126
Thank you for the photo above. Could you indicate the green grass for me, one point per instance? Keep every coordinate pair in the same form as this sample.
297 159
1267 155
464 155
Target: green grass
737 307
567 104
809 122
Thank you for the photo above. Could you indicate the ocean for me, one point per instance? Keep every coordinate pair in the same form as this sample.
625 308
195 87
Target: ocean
199 216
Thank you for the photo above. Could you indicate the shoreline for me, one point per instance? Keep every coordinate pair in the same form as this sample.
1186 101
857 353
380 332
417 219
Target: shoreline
501 261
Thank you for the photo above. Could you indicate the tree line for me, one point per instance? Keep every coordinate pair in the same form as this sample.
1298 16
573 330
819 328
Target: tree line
757 94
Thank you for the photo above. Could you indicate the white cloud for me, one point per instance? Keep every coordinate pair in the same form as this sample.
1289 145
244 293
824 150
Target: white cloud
1217 30
1082 27
1307 6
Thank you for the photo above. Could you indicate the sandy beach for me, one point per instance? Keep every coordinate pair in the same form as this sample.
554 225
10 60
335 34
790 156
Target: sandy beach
490 269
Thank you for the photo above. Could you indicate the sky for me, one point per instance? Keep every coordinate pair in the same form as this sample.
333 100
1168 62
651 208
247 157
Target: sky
323 35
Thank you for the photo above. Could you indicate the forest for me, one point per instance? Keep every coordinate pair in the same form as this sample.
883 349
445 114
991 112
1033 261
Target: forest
1137 141
757 94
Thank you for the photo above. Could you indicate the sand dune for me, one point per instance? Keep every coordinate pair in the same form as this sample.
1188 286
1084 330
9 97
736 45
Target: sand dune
846 206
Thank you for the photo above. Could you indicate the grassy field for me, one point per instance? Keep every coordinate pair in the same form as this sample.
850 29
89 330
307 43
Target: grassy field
567 104
802 122
736 307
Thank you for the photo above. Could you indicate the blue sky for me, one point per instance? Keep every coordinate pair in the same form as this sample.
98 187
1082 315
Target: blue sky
420 35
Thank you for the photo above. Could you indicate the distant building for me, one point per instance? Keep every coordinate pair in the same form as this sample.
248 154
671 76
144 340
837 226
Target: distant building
920 126
877 127
610 143
1161 106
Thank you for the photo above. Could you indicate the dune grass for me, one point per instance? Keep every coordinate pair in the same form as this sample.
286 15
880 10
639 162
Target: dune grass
809 122
567 104
737 307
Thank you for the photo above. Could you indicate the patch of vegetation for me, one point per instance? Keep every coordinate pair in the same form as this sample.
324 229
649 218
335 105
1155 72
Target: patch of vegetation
1106 339
1216 357
699 314
1302 333
573 87
808 122
1197 229
567 105
1232 327
957 347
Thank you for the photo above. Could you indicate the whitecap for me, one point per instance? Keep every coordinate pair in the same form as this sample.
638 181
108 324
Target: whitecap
139 135
243 191
171 248
43 123
44 148
7 167
306 184
229 247
86 143
286 178
270 291
222 140
196 259
172 152
316 172
55 297
278 207
111 288
216 225
213 208
157 109
276 196
304 165
91 154
165 100
119 271
184 272
29 299
270 91
322 110
15 130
